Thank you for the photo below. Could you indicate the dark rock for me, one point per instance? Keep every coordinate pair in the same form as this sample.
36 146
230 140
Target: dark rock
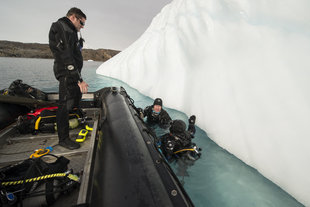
37 50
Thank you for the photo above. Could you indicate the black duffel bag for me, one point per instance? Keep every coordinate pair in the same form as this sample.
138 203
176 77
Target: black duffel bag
34 177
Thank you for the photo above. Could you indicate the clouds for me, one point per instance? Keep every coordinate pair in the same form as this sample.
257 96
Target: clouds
110 24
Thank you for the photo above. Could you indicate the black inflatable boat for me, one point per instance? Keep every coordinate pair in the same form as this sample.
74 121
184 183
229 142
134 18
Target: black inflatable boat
120 162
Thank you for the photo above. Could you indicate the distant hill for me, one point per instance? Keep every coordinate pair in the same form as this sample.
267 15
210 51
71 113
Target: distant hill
36 50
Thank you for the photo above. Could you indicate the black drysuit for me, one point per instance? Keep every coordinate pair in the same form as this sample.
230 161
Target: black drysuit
162 118
66 49
178 138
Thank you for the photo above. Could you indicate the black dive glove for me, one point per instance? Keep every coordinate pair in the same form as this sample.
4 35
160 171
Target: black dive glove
192 119
140 112
191 125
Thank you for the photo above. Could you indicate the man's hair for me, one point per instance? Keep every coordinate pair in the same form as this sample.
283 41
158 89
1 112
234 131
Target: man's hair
77 12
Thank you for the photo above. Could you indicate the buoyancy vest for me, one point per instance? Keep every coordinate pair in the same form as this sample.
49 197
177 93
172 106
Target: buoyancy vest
22 180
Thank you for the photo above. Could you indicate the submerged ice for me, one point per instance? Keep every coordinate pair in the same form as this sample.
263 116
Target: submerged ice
242 67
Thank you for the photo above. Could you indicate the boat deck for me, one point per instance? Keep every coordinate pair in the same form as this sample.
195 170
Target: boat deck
119 163
16 147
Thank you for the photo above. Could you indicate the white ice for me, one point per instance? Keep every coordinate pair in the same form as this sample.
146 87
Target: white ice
243 67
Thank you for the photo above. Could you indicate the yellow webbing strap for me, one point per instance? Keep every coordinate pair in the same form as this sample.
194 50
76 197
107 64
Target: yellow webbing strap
74 177
182 150
88 128
36 126
43 177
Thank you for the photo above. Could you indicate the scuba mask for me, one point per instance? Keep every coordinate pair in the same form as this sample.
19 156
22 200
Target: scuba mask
155 113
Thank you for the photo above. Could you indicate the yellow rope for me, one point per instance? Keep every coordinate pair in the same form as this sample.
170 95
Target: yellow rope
182 150
43 177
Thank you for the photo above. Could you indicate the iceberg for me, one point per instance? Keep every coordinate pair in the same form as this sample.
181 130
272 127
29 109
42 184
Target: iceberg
243 68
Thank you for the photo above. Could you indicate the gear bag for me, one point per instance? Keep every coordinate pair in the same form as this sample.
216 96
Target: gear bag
43 120
18 88
34 177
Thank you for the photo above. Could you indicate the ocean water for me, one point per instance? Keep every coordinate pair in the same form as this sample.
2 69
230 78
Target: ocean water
217 179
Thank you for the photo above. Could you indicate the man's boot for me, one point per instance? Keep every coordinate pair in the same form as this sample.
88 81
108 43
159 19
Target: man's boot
69 144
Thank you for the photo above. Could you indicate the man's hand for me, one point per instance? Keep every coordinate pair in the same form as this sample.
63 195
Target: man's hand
83 87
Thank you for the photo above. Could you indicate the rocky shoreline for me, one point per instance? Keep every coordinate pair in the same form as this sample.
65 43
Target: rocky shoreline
37 50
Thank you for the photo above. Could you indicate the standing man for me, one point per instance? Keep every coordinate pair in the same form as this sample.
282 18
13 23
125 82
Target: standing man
66 48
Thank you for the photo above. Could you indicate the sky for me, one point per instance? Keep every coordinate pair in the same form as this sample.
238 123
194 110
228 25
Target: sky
110 24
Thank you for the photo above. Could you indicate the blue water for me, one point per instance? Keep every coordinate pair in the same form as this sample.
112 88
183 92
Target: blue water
217 179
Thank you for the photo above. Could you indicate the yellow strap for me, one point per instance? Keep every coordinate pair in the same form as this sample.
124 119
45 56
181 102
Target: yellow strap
43 177
45 117
88 128
182 150
74 177
36 126
83 132
82 135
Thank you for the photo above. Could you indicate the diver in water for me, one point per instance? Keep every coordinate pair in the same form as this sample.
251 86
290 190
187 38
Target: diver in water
156 114
178 142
